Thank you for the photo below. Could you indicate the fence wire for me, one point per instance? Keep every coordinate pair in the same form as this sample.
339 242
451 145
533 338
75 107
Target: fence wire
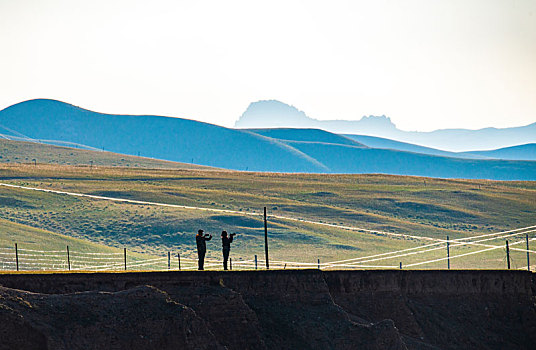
517 252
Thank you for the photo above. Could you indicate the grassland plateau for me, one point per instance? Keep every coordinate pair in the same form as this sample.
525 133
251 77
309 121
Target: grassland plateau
422 207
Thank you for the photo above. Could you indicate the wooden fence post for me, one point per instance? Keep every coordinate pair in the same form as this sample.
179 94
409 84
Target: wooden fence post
168 260
125 256
179 257
255 261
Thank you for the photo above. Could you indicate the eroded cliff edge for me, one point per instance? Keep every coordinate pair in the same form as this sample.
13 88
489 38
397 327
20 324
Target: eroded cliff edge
269 310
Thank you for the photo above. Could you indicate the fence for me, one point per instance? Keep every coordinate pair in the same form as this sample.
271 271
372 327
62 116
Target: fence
443 253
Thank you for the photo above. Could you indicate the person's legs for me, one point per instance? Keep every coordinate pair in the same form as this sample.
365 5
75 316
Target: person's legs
201 262
225 257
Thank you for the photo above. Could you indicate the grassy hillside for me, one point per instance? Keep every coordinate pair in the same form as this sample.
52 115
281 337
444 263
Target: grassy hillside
27 236
17 152
408 205
40 249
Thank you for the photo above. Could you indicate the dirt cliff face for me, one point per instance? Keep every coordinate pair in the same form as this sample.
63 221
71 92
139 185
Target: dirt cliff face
447 309
269 310
138 318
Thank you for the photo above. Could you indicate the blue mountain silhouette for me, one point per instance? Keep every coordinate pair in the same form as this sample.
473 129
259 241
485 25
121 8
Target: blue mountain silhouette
275 150
276 114
174 139
520 152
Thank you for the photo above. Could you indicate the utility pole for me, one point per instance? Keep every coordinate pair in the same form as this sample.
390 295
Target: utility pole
17 255
266 239
448 253
68 259
508 254
528 253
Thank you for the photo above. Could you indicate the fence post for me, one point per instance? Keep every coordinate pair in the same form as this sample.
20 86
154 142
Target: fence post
125 255
266 239
448 253
528 254
68 259
17 255
168 260
179 257
255 261
508 255
401 265
230 263
319 264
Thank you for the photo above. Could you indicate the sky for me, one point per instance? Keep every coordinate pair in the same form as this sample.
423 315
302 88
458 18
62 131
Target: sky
426 64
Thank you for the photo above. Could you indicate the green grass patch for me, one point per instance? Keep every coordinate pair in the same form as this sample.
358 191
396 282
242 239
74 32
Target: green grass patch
398 204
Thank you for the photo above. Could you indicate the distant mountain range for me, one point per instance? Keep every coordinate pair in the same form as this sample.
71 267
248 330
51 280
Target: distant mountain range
272 150
275 114
521 152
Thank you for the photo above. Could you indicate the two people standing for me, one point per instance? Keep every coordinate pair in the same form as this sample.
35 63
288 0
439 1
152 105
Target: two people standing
201 239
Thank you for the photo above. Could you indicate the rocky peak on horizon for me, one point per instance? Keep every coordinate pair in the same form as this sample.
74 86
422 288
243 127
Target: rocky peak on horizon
271 112
277 114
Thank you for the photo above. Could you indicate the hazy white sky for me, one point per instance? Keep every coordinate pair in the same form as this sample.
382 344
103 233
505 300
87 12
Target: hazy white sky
426 64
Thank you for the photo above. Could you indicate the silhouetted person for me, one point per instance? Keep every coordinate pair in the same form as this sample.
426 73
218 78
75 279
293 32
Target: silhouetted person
226 246
201 239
